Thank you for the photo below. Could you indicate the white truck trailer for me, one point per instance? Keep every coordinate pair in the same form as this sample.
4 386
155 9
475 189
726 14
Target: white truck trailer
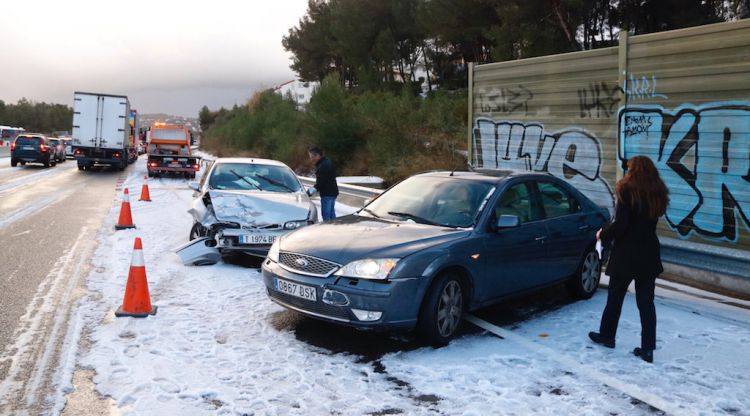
101 130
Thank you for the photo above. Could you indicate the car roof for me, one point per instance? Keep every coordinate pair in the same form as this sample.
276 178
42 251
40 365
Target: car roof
31 135
488 175
249 161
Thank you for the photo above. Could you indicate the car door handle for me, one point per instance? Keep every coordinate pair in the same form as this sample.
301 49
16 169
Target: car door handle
542 238
584 227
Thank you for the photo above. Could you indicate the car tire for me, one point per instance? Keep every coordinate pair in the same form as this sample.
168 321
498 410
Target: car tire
442 310
198 231
584 283
46 164
13 163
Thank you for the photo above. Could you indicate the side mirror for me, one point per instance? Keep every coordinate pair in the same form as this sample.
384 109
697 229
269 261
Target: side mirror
194 185
507 221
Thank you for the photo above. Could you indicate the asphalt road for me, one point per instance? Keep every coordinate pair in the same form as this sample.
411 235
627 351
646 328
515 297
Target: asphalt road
49 219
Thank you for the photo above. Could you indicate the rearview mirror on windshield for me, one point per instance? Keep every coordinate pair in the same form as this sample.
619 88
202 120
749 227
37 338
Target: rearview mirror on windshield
507 221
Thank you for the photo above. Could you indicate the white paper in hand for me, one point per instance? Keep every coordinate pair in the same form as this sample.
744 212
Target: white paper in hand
599 248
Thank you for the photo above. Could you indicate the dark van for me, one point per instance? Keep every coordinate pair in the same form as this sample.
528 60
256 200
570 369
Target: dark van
32 148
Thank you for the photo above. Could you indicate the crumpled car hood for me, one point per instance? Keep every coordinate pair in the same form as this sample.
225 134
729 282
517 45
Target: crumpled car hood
250 208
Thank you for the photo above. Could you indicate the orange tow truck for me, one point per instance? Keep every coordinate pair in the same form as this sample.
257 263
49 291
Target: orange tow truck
168 148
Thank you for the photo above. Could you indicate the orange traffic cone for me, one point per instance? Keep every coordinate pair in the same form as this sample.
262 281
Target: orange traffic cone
136 302
145 195
126 219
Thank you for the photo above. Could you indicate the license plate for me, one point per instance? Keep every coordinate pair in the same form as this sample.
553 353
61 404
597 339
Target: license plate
257 239
294 289
28 148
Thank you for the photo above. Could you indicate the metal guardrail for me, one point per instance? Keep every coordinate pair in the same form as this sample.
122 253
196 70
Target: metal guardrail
361 192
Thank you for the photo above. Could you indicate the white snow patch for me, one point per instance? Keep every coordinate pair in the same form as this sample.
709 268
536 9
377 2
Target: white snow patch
218 346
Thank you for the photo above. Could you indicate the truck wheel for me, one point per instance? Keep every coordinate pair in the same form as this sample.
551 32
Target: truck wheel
13 162
122 166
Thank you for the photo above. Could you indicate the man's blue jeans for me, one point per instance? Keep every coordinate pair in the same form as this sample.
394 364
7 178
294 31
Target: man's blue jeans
327 207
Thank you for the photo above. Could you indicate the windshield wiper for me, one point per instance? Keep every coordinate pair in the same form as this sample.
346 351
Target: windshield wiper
245 179
275 182
413 217
371 213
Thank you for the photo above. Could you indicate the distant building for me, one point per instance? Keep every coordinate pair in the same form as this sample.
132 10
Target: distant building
299 91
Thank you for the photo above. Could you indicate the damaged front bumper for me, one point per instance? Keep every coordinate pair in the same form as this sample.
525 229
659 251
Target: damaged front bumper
199 252
208 250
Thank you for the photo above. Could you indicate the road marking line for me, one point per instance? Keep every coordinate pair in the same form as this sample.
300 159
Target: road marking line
584 370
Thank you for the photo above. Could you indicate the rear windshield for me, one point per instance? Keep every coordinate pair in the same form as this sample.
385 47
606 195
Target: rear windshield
53 141
25 141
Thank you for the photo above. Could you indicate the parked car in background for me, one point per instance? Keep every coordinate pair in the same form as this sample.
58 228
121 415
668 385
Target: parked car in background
438 245
32 148
244 205
57 146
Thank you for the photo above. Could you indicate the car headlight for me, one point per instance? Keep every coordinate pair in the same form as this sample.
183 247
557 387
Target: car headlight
273 252
377 269
293 225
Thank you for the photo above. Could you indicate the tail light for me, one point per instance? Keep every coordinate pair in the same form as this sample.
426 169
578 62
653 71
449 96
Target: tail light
196 167
116 154
12 146
77 152
43 148
152 164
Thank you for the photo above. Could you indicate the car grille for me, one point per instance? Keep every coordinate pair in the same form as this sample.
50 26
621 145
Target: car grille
308 265
316 308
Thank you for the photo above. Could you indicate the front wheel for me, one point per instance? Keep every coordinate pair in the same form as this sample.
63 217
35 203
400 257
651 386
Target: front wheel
198 231
442 310
586 280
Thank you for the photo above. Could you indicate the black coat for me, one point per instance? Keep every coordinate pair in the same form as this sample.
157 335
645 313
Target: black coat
636 252
325 178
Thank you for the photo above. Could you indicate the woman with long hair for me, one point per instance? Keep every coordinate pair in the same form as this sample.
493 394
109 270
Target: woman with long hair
641 199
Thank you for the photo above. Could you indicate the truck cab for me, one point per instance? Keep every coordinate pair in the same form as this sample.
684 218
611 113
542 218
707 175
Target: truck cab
169 152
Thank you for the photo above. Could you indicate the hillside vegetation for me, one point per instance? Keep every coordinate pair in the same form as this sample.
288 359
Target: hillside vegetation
370 133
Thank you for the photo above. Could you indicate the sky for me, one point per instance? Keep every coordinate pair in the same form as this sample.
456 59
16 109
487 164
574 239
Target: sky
166 56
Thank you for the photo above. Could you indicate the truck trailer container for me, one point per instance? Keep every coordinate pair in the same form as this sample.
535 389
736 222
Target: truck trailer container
101 130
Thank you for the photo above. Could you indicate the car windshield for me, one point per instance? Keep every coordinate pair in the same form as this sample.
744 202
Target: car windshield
250 176
444 201
54 142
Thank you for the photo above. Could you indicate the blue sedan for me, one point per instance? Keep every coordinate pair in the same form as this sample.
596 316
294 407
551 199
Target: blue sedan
435 246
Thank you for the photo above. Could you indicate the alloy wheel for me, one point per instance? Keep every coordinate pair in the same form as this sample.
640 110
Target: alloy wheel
590 272
450 308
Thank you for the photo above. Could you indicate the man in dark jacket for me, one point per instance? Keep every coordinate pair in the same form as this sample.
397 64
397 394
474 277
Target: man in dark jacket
325 183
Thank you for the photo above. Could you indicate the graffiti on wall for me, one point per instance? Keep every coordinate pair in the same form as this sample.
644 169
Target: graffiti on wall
506 100
703 155
573 154
598 100
641 88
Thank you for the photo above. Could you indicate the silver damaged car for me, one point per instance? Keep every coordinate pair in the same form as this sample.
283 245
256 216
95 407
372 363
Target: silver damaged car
244 205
